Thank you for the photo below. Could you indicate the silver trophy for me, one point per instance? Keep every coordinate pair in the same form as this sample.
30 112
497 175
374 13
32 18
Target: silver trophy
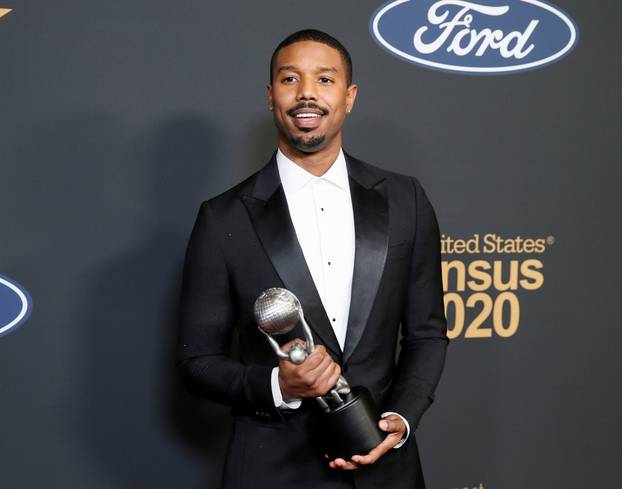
349 415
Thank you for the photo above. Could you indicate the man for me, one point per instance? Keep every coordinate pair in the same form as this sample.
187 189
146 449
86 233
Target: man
359 247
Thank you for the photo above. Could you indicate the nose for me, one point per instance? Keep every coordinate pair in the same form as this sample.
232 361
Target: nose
307 89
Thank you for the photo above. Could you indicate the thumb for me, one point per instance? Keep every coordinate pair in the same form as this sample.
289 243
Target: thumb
391 423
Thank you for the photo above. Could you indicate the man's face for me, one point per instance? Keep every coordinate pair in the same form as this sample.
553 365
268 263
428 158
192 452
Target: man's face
309 95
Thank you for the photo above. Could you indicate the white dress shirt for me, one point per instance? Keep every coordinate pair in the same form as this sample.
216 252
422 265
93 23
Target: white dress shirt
321 212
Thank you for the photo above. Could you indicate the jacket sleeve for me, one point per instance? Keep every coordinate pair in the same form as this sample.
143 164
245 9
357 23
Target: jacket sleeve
206 322
424 329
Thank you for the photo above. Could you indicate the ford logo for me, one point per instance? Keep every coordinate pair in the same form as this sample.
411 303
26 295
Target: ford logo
486 37
15 305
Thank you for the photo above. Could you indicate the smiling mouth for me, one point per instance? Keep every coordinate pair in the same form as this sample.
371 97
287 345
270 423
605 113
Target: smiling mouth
307 117
307 120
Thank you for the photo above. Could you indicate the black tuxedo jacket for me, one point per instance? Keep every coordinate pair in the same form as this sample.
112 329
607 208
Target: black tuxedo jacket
244 242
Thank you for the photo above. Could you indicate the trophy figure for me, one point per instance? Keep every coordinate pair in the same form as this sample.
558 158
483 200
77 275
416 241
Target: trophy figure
348 416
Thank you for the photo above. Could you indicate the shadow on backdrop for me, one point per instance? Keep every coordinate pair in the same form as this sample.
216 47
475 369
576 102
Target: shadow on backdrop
142 426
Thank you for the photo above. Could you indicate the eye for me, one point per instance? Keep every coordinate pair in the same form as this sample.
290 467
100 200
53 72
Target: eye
288 79
325 80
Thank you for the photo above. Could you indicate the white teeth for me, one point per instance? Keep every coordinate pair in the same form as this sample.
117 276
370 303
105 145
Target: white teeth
305 114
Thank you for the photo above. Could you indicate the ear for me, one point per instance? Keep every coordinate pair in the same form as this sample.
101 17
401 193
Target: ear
269 88
351 92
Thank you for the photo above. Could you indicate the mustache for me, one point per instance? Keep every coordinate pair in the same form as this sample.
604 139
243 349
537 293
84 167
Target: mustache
308 105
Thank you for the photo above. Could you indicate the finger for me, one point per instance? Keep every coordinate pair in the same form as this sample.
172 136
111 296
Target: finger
319 383
335 376
322 384
328 378
320 348
313 361
290 369
387 444
342 464
392 424
318 364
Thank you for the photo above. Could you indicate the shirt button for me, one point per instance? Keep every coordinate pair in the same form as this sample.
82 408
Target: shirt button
329 263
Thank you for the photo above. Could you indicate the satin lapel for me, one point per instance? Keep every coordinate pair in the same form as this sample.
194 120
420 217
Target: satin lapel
269 213
371 224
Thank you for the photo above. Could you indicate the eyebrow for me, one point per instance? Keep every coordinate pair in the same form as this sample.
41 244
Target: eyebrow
320 69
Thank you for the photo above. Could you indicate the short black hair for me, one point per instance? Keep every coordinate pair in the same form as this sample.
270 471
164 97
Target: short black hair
317 36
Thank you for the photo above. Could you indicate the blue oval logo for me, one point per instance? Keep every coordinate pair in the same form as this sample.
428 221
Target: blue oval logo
15 305
486 37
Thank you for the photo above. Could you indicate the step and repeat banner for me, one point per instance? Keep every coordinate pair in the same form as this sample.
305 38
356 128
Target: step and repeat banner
118 120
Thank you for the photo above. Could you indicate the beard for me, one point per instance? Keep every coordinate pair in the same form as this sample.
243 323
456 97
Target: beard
308 145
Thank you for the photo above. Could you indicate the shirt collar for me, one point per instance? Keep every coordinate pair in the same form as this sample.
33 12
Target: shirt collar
294 177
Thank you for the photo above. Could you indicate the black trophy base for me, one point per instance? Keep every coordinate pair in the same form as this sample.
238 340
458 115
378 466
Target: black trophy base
350 429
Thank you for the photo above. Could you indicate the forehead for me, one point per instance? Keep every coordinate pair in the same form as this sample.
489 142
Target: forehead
309 55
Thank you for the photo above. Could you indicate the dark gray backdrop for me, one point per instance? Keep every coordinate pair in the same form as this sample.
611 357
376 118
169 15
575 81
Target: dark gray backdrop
118 119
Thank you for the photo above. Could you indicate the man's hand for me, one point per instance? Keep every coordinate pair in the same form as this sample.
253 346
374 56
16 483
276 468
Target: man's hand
312 378
392 424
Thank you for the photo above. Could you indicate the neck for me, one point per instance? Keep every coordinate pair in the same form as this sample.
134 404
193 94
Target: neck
316 163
